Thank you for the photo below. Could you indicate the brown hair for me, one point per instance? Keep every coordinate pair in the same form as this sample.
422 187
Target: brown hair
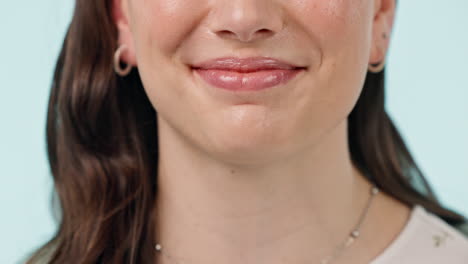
103 151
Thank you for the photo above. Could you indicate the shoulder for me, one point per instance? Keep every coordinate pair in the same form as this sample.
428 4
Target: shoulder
428 239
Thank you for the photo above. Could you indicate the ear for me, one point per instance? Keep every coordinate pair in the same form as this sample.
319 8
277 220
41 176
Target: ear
125 37
384 15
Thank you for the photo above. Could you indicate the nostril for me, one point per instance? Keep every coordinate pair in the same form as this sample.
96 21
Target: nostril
226 33
264 30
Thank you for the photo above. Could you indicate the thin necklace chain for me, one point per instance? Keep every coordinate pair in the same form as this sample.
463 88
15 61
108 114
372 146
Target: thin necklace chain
353 235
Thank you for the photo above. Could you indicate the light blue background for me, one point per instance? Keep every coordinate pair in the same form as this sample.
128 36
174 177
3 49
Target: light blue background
427 97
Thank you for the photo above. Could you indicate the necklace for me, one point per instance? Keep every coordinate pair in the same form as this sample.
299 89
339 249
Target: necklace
353 235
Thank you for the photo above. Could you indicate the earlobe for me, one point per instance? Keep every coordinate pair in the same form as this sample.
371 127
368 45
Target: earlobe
382 28
380 44
125 36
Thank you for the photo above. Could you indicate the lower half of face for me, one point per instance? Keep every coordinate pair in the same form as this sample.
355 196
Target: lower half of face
330 37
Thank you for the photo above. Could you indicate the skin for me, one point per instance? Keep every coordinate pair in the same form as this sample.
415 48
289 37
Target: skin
266 177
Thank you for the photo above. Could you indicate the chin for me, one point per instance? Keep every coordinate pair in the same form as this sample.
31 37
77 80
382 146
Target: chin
250 148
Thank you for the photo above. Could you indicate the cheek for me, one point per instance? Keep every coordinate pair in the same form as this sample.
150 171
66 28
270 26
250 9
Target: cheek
330 21
162 25
158 28
342 31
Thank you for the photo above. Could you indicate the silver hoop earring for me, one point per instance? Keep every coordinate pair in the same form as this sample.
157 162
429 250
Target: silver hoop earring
117 68
377 68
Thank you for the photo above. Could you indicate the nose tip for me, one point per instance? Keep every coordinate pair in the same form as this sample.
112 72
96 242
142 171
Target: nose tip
246 20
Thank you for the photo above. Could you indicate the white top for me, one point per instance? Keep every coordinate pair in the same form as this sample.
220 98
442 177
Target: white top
427 239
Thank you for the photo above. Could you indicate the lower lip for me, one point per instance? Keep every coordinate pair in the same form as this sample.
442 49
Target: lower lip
252 81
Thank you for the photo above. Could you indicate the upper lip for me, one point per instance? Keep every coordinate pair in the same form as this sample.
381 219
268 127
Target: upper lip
246 64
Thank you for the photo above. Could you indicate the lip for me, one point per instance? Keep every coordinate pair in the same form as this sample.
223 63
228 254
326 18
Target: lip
248 74
246 64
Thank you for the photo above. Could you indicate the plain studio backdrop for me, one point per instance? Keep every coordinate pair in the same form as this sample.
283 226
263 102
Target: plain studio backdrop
427 97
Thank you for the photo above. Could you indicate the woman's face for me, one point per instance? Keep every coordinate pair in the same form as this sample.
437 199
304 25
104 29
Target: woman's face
334 39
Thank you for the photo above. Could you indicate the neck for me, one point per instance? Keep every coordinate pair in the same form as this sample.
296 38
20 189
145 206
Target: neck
301 206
